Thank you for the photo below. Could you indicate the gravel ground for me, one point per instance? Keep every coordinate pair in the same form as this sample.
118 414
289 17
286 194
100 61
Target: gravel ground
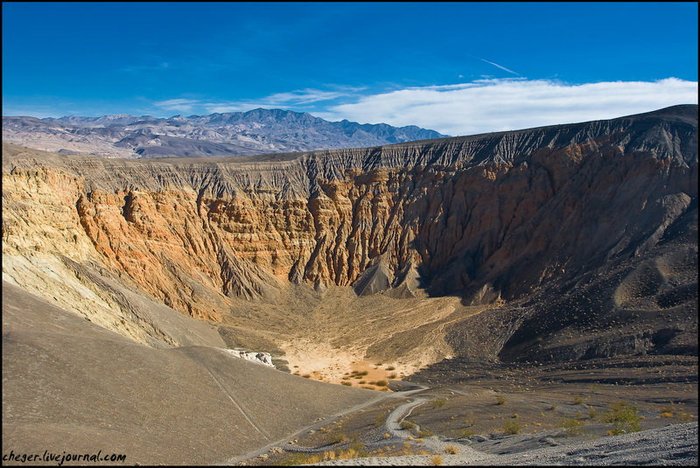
671 445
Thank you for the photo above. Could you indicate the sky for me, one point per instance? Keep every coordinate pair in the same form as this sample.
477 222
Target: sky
458 68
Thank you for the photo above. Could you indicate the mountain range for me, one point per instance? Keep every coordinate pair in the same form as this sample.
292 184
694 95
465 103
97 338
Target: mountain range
228 134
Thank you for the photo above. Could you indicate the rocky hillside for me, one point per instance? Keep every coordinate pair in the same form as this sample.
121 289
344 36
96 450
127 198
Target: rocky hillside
238 133
586 223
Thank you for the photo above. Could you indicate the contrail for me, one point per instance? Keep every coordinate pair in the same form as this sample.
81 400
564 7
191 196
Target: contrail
501 67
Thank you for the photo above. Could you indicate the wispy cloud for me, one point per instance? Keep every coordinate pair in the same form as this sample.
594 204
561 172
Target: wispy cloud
178 105
292 100
500 66
507 104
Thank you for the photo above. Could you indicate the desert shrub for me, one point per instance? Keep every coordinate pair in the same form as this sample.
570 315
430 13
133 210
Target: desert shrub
338 438
511 427
407 425
348 384
379 419
381 383
500 400
592 413
451 449
361 382
301 459
391 376
578 400
623 417
437 460
572 426
386 435
684 417
307 376
390 368
438 403
425 433
466 432
358 448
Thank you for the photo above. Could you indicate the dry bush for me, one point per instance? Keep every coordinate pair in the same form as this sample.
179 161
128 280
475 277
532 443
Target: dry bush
572 426
438 403
407 425
511 427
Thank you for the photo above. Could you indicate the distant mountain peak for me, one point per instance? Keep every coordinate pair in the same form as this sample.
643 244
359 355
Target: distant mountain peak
256 131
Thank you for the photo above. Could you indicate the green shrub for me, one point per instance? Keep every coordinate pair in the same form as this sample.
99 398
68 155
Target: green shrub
572 426
511 427
438 403
338 438
623 417
466 432
407 424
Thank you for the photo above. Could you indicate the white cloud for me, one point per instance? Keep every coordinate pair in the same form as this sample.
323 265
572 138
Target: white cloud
285 100
304 96
508 104
178 105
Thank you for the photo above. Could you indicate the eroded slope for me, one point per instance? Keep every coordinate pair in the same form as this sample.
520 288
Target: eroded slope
487 220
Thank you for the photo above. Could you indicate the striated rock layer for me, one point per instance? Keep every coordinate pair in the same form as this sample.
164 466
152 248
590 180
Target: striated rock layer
490 218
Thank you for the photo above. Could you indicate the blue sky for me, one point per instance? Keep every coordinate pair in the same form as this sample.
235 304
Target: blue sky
458 68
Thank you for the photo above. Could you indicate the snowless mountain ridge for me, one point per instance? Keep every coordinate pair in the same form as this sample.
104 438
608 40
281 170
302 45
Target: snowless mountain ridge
228 134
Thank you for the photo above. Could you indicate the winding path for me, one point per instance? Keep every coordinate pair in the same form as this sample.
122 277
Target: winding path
282 442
